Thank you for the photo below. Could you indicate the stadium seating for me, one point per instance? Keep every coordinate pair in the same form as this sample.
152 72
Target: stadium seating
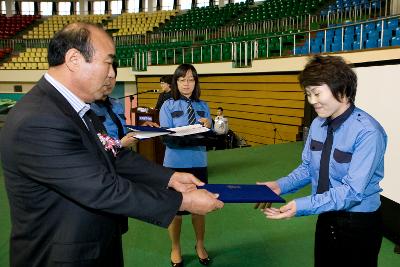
31 59
203 34
139 23
275 9
53 24
4 52
205 17
10 26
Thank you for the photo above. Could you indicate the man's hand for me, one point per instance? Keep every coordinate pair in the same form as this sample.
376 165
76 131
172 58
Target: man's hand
274 187
129 140
200 202
184 182
287 211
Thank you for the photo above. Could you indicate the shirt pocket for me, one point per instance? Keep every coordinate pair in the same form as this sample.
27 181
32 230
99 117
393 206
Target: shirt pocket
316 150
340 163
341 156
177 114
201 113
316 145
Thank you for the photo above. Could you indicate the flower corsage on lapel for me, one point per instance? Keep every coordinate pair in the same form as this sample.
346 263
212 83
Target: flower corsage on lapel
109 143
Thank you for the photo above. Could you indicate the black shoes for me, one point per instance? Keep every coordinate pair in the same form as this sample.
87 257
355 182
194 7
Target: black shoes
177 264
205 261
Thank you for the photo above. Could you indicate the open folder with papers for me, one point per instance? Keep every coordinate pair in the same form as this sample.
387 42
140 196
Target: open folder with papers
243 193
144 132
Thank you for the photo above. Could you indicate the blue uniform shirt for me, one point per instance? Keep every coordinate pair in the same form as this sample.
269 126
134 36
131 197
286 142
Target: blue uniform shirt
355 168
101 111
173 113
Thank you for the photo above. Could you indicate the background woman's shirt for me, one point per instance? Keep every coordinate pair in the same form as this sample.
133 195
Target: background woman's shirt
173 113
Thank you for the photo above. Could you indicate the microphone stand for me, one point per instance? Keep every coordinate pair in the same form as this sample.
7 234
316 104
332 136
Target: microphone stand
131 97
275 129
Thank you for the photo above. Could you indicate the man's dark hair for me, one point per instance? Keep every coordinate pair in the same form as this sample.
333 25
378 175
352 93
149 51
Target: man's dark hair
181 71
220 108
76 35
332 71
166 79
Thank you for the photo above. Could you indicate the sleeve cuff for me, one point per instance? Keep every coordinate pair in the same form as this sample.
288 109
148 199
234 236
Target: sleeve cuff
302 206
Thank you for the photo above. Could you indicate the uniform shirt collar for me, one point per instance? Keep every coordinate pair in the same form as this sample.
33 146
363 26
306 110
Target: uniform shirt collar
336 122
185 98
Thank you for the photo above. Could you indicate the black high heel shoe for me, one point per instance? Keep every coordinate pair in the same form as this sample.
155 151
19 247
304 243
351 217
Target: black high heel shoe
177 264
205 261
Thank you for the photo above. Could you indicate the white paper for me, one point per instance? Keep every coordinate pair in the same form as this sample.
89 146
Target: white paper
146 134
189 129
179 131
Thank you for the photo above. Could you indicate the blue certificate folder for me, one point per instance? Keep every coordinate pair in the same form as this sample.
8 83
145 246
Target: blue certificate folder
148 129
243 193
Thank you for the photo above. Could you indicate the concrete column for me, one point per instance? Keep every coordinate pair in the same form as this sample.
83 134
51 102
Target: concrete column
83 7
9 8
395 7
151 6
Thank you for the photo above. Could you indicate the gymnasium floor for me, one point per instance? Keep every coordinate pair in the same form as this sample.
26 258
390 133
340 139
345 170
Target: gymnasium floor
237 235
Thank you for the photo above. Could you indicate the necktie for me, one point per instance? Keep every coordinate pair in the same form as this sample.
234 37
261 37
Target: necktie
323 182
87 117
115 119
191 116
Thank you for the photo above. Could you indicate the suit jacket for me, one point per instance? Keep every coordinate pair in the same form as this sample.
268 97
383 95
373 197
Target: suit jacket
67 195
164 96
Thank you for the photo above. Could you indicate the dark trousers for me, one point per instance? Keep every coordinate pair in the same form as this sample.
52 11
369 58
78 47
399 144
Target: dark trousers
114 256
348 239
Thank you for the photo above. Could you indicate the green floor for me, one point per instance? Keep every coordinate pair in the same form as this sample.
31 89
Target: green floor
237 235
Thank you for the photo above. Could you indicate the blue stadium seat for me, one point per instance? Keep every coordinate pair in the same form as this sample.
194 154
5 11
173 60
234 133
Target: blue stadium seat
387 35
372 35
385 42
330 33
348 44
393 23
335 47
349 30
338 32
356 45
337 39
315 49
395 41
371 26
371 43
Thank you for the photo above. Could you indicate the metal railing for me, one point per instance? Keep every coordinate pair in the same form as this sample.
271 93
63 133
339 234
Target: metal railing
243 52
375 9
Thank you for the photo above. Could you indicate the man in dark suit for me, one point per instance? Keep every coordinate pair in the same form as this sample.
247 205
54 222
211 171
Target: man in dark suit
69 194
165 83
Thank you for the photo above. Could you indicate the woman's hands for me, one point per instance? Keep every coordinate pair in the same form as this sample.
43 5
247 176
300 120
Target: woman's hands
205 122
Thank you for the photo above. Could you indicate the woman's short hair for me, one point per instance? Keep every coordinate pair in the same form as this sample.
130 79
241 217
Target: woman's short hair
332 71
